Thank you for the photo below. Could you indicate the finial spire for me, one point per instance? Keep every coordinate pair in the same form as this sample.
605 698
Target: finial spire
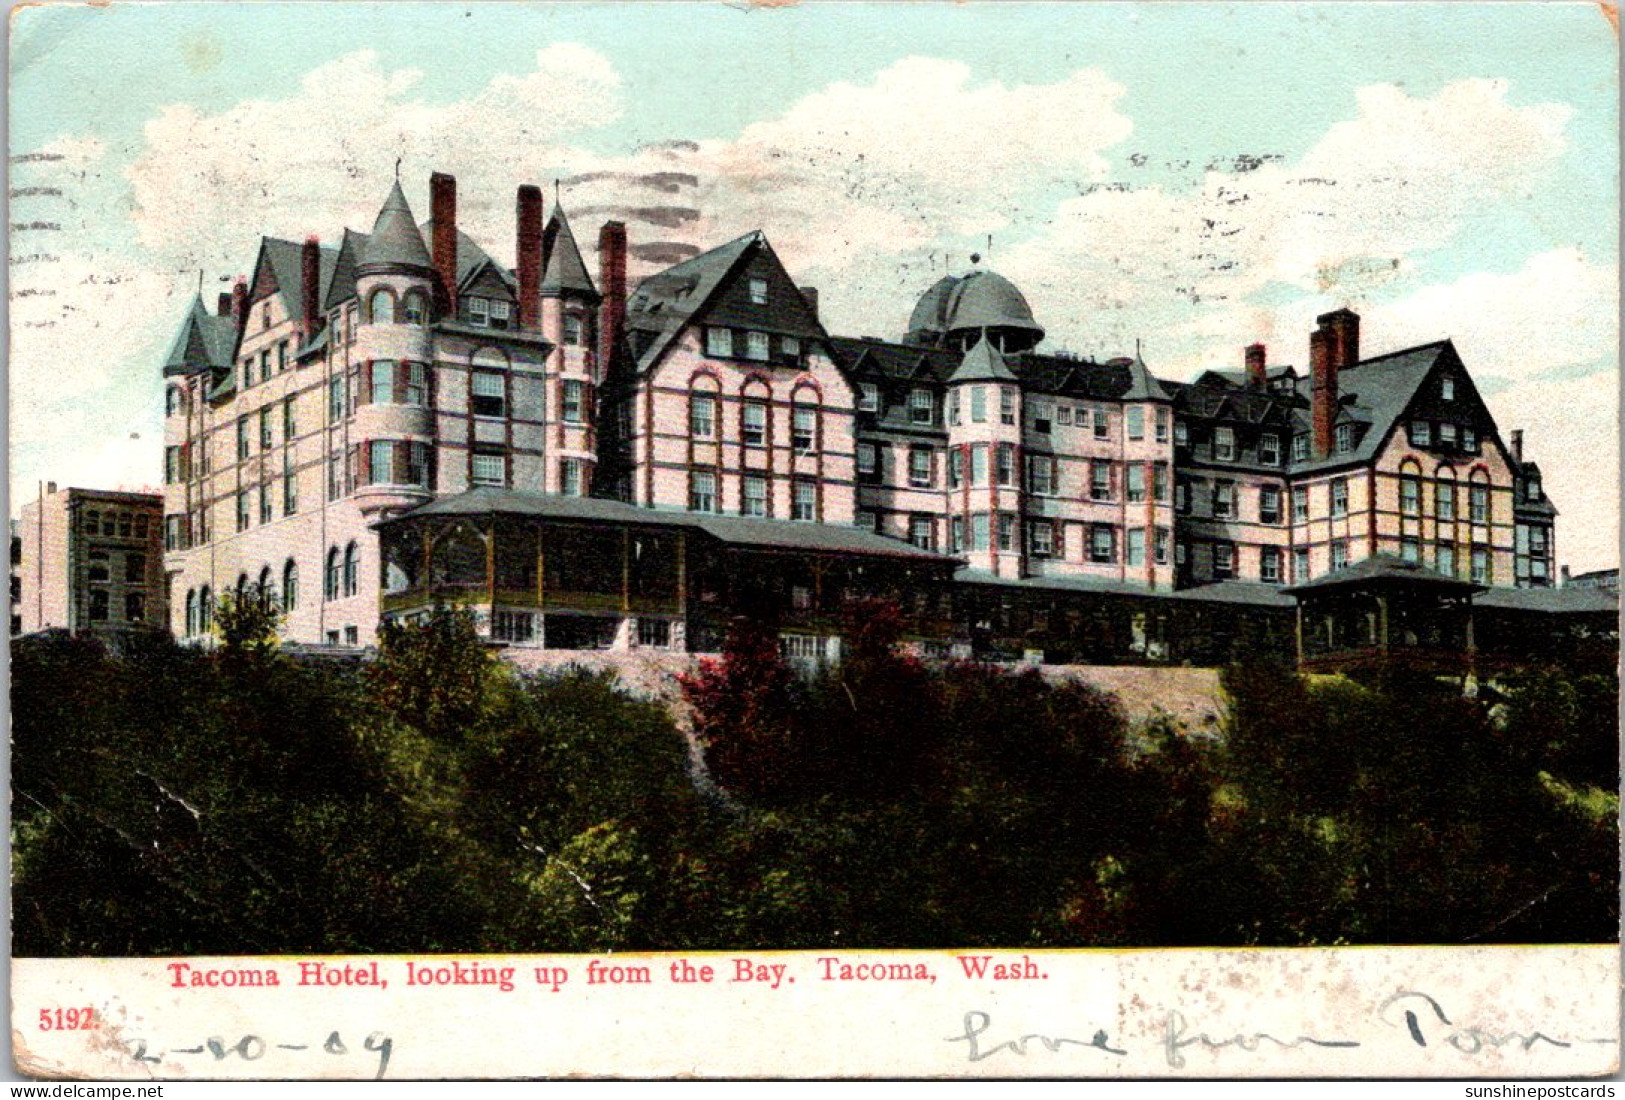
397 169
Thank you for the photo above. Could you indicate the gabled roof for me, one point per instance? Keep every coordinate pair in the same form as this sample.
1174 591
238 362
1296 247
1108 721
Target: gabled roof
1378 392
1385 570
283 261
395 240
1238 378
1553 601
342 286
662 304
471 258
565 273
204 341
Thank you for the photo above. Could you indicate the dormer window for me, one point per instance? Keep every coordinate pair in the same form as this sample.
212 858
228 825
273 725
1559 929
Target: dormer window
758 291
1421 433
1469 441
479 312
719 342
868 397
1447 435
1224 444
1269 448
1447 388
499 313
790 348
920 407
756 346
1345 438
1300 448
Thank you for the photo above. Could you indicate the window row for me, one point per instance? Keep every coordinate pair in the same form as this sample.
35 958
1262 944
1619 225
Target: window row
1434 435
755 346
99 567
704 422
99 605
1446 500
755 496
111 523
252 428
411 308
248 375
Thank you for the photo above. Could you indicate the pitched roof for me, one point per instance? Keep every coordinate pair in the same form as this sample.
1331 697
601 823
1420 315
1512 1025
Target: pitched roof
733 530
565 270
662 304
1238 378
1384 569
1555 601
395 240
204 340
342 286
1100 585
1249 593
1142 386
471 257
1377 391
285 259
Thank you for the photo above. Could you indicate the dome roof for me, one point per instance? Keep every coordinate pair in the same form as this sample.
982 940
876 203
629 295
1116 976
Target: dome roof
978 300
395 240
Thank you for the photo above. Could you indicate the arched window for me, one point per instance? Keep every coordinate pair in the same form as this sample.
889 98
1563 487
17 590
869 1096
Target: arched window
415 308
1444 495
290 585
135 607
804 426
352 568
191 611
242 586
331 589
172 400
381 307
205 610
265 593
1410 488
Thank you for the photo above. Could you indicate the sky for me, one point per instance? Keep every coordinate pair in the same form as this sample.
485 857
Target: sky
1195 177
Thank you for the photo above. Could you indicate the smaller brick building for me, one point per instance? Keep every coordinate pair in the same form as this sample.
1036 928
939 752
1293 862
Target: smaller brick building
91 561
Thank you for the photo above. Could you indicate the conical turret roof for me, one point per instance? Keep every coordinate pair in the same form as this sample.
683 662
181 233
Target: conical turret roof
204 340
395 240
565 270
982 363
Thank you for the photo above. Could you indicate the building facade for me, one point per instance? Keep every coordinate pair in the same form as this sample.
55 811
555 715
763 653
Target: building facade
91 562
340 389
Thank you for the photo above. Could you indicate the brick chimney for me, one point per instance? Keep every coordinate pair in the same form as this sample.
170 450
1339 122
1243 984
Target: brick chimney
1254 357
239 302
223 306
1323 389
443 249
612 281
310 289
1517 445
528 227
1344 326
810 293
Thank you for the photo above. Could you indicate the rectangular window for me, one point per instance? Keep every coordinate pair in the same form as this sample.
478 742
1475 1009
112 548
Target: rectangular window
1103 424
919 467
1043 414
956 534
1182 434
1269 564
719 343
1041 475
1340 496
172 465
978 404
1100 481
1159 481
920 407
1135 482
282 357
1410 496
500 312
1005 464
754 500
1447 435
1007 405
702 491
1410 550
1224 561
1041 538
1300 503
335 399
1300 448
1005 531
1469 441
1161 549
416 384
265 365
803 429
1134 421
1445 501
865 519
1340 554
702 416
490 469
1063 416
135 568
956 467
1134 547
1421 433
571 405
1480 503
756 346
1224 499
1102 544
1447 388
1162 425
1444 559
804 501
1345 438
1269 448
753 425
921 532
1300 566
1269 504
978 464
1224 444
1481 565
290 488
758 292
383 382
479 312
570 477
868 397
866 458
790 348
242 438
290 428
575 330
242 510
979 531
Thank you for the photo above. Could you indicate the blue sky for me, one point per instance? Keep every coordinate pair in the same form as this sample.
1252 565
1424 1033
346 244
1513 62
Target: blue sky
1471 154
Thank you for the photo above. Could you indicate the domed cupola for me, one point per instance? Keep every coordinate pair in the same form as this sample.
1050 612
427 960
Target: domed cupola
395 243
958 311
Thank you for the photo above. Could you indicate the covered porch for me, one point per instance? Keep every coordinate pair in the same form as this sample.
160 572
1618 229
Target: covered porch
1385 609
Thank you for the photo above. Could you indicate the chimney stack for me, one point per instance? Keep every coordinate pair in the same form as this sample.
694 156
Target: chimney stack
1517 445
1344 326
612 281
528 221
1256 376
311 285
1323 390
223 306
239 302
810 293
443 249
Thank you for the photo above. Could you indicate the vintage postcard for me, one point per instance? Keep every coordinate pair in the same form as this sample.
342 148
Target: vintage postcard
814 540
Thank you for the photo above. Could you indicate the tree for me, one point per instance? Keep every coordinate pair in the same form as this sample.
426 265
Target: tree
432 674
741 708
